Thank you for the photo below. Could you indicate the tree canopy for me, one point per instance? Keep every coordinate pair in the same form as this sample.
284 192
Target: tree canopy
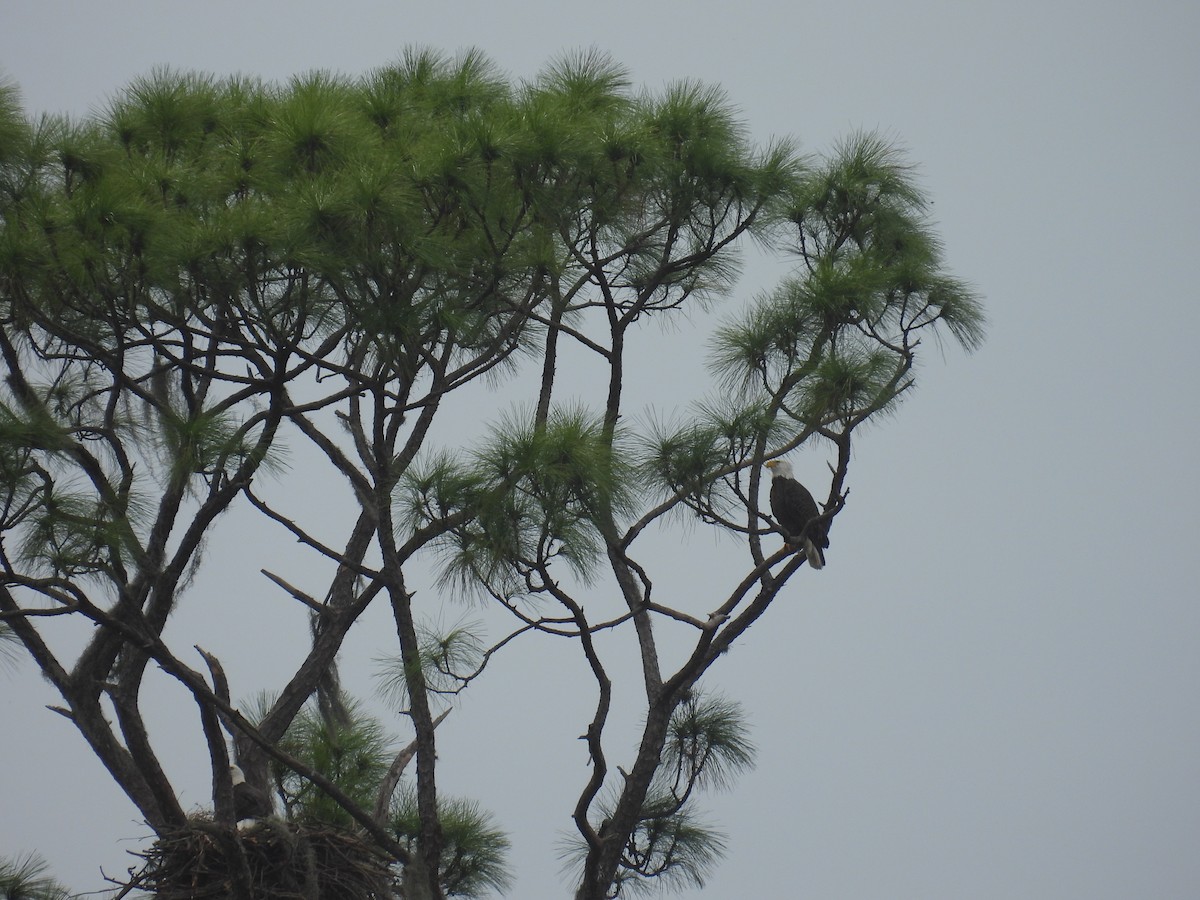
216 272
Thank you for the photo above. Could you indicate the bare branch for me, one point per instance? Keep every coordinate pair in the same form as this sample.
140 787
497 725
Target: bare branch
298 594
387 787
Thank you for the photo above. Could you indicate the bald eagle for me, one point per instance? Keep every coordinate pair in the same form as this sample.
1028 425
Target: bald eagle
249 803
794 510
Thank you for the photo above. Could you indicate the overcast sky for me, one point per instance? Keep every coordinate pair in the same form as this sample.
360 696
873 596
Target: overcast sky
993 689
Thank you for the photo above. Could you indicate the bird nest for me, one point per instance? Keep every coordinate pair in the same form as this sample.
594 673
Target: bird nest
271 860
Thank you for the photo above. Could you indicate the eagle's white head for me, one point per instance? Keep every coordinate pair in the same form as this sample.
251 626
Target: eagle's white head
780 468
238 776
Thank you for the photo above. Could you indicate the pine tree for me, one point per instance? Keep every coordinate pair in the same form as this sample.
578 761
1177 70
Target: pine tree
215 273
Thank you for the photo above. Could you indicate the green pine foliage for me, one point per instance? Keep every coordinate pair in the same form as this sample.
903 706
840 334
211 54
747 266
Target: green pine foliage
449 658
353 754
474 856
836 342
535 495
9 645
708 744
24 878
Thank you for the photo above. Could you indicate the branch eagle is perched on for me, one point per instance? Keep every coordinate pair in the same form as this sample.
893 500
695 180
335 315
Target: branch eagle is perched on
795 510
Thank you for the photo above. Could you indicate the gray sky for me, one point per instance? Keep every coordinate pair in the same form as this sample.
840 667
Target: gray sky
991 690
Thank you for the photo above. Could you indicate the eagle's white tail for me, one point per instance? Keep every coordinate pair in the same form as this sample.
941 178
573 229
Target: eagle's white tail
814 555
